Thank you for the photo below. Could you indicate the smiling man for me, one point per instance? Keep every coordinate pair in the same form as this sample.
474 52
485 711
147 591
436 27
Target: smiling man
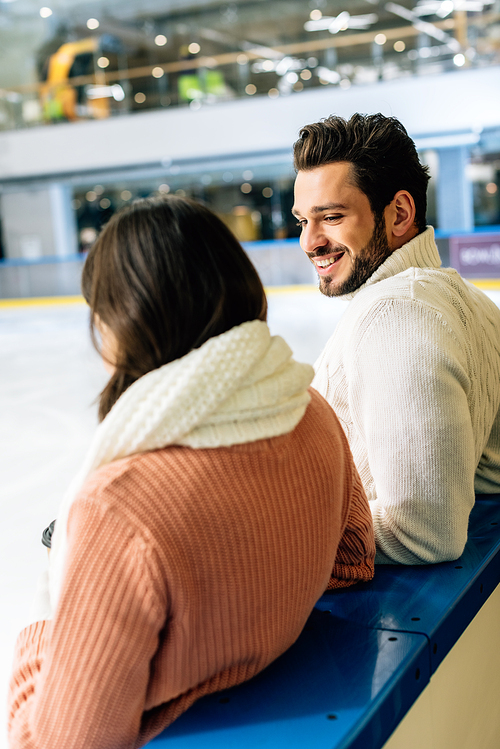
413 368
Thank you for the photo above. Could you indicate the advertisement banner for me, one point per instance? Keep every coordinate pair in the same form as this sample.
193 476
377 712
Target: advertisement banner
476 255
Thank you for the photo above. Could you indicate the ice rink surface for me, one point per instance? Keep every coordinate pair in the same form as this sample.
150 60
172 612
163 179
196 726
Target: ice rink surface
50 377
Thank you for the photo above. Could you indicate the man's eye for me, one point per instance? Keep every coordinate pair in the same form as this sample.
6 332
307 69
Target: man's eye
333 218
301 224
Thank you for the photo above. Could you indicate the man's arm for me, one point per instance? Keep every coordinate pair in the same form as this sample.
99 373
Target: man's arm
408 388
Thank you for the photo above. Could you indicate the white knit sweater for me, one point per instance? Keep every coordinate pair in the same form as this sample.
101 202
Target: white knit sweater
413 373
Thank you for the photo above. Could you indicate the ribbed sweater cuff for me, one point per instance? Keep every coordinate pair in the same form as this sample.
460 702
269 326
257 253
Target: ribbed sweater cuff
343 577
31 638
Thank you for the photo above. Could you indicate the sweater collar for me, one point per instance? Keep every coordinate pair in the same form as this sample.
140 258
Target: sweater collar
419 252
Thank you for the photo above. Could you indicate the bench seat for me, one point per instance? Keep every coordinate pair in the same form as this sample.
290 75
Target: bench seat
363 659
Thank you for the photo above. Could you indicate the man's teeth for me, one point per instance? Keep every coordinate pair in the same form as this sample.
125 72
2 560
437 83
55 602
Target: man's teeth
327 261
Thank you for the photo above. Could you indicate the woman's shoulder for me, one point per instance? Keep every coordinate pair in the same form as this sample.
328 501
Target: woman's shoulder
128 486
117 474
145 483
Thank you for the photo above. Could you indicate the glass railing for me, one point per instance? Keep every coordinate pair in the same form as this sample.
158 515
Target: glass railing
104 74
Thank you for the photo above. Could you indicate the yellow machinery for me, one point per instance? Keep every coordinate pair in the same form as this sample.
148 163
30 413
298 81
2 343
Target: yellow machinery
59 97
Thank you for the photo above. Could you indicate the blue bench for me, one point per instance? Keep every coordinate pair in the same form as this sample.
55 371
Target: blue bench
438 601
364 657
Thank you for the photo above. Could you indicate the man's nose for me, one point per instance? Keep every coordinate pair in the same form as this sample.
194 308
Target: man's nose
312 238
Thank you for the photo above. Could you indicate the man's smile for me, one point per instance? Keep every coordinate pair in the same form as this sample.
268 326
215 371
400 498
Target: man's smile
323 263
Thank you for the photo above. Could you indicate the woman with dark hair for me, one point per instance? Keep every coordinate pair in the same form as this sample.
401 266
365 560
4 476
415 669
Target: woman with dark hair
217 502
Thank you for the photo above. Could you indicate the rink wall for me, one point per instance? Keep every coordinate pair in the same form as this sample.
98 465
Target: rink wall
47 277
278 262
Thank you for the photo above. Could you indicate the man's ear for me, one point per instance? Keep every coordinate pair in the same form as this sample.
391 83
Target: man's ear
401 214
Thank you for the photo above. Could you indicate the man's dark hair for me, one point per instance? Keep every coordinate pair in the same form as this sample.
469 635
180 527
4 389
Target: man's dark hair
383 157
164 276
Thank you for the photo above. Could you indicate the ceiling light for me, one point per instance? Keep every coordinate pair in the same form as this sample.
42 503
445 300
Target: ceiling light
423 26
160 40
250 89
118 92
158 72
287 64
446 8
92 23
315 15
45 12
105 92
380 39
103 62
459 60
399 46
443 8
342 22
98 92
194 48
327 75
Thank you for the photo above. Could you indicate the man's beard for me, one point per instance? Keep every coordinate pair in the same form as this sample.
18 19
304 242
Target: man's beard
364 264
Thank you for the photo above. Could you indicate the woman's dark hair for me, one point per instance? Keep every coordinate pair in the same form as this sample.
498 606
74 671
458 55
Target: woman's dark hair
164 276
383 157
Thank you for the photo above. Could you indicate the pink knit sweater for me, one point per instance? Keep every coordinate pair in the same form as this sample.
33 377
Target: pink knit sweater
188 571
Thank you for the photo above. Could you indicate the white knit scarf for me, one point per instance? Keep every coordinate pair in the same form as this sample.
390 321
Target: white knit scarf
238 387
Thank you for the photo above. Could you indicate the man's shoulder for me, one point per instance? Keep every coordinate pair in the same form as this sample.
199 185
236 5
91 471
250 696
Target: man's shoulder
319 416
418 298
418 291
412 283
407 294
